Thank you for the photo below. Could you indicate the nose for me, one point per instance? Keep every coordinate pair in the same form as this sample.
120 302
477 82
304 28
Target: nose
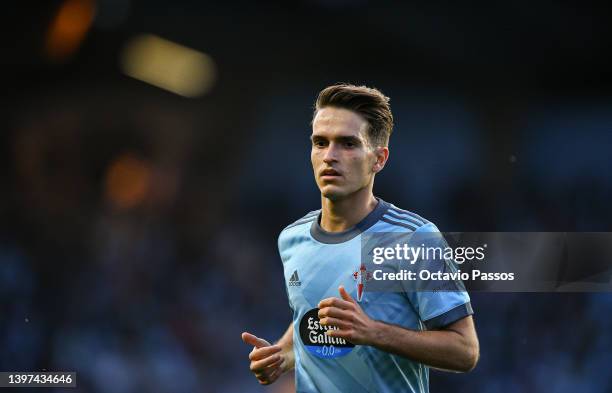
330 154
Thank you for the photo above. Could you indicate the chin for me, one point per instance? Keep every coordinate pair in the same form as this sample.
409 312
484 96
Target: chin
332 193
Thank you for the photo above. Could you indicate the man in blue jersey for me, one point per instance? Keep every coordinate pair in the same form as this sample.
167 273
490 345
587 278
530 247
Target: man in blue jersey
344 338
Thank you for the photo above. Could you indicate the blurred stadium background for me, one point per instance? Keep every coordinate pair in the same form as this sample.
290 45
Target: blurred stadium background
153 150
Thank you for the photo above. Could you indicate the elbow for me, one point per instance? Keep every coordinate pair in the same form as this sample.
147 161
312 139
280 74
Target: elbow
470 360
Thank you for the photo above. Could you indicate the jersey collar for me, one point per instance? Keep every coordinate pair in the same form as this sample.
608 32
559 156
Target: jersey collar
372 218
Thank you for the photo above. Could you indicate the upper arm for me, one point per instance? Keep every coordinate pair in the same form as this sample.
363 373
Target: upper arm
466 329
464 326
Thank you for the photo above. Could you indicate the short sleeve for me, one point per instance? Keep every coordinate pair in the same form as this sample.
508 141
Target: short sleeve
437 302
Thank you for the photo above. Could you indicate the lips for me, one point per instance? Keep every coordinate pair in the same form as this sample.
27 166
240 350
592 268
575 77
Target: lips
330 172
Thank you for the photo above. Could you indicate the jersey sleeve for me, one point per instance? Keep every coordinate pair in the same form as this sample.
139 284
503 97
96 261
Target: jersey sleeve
437 302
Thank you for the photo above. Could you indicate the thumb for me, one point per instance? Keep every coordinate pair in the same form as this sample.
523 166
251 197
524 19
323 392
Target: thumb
344 294
253 340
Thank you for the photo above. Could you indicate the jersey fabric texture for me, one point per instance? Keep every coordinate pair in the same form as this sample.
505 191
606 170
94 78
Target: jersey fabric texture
315 263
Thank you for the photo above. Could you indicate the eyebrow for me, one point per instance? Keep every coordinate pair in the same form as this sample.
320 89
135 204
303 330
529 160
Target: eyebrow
350 138
347 138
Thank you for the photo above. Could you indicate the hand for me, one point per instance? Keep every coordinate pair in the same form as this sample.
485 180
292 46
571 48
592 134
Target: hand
347 315
267 361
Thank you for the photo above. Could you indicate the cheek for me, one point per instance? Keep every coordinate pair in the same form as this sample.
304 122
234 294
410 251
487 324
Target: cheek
368 162
360 165
315 160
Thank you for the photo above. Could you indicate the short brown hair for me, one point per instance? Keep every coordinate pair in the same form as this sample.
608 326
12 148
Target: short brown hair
368 102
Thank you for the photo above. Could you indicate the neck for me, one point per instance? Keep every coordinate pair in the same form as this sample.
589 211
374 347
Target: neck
340 215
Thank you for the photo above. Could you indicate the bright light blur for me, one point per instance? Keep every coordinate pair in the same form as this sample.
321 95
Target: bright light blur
68 29
169 66
127 181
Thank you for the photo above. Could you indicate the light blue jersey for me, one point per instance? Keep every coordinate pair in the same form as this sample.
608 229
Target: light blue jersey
315 263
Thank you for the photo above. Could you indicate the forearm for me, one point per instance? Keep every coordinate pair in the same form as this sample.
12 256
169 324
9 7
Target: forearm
286 343
444 349
455 347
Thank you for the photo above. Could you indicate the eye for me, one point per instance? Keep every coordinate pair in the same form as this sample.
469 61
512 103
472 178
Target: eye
318 143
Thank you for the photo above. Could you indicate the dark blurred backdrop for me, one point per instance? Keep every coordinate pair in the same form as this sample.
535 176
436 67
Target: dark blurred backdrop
139 223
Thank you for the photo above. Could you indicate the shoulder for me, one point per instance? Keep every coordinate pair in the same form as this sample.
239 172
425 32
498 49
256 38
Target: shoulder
421 229
396 219
309 217
299 225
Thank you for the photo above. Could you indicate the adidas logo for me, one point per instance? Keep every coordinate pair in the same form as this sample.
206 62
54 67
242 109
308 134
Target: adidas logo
294 280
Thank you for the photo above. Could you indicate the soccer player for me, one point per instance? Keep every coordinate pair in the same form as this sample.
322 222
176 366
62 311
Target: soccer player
342 338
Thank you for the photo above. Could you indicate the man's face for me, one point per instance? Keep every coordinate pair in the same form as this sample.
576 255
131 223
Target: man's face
343 159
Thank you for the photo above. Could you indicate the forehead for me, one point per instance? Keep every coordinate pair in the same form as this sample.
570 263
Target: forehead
335 122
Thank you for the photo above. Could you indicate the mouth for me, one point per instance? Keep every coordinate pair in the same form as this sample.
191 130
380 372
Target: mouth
329 173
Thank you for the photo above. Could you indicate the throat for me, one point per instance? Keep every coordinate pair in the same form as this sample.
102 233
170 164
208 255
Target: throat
340 216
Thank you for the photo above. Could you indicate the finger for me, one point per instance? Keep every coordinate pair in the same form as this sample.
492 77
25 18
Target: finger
268 370
267 378
334 312
263 379
259 365
262 374
335 322
340 333
260 353
275 374
254 340
335 302
275 365
344 294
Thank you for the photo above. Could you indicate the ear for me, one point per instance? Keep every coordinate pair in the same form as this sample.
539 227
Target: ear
382 155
